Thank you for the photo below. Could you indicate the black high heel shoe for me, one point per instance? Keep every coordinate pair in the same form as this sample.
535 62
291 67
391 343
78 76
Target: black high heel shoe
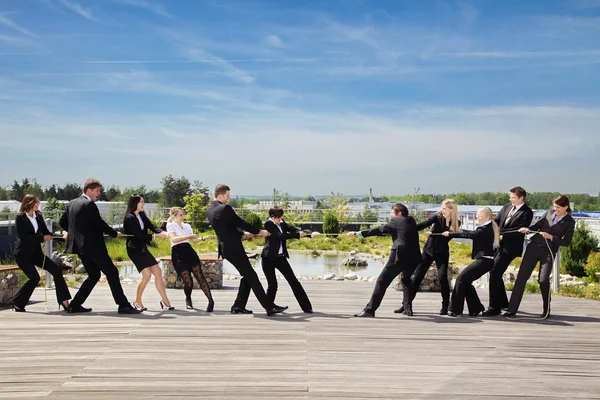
188 304
163 305
63 306
15 309
211 306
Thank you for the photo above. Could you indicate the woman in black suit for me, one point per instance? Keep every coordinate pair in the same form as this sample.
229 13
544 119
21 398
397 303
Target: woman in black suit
485 238
555 229
31 232
275 256
436 249
136 223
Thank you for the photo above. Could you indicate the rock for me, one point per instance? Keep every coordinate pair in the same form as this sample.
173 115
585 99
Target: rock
353 252
567 277
338 278
328 277
373 279
356 262
80 269
350 277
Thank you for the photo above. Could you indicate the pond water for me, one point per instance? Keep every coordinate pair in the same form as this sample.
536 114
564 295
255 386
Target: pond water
302 264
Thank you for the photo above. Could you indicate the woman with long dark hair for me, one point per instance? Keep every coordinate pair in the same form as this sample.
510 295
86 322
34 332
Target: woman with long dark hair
185 260
555 229
31 232
137 224
486 238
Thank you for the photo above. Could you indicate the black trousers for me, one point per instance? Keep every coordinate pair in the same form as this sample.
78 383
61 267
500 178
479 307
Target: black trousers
281 263
93 266
441 262
248 282
27 264
385 278
463 288
498 297
534 253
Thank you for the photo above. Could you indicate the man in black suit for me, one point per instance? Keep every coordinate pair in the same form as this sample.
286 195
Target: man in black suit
512 216
85 238
226 224
404 258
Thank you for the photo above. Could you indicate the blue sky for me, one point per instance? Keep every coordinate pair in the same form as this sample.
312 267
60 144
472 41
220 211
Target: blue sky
307 97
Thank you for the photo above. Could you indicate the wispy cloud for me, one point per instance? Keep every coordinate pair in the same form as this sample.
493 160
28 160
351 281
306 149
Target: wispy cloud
79 9
274 41
148 5
4 20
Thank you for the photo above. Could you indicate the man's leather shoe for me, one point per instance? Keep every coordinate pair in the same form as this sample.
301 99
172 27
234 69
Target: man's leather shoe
365 314
128 310
240 310
491 312
444 311
77 309
508 314
275 310
308 311
399 310
283 308
453 314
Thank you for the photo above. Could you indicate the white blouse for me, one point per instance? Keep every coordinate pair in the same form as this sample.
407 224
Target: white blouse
33 222
141 222
179 231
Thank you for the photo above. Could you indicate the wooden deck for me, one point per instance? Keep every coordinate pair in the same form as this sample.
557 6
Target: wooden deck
329 354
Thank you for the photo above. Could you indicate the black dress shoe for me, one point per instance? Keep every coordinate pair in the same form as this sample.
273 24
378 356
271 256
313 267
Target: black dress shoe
451 314
240 310
509 314
275 310
77 309
128 310
283 308
399 310
444 311
365 314
491 312
308 311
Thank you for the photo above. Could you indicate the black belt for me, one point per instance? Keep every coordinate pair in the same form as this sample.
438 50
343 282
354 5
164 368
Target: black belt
280 255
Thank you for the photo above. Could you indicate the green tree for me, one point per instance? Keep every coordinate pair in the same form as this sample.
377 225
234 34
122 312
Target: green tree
68 192
27 186
574 257
174 190
54 205
196 205
113 193
50 192
4 194
281 199
331 224
254 220
4 217
338 206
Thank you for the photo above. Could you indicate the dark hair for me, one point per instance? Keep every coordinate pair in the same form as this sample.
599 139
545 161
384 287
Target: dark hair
563 201
91 184
27 204
519 191
401 209
275 211
221 189
132 204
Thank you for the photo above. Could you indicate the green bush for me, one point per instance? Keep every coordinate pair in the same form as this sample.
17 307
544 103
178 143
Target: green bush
331 224
573 258
254 220
591 292
532 287
592 266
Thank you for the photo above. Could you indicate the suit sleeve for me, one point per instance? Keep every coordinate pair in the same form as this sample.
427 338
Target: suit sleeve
64 220
538 225
292 233
427 223
150 225
466 234
42 226
524 220
379 230
568 236
132 227
240 223
97 220
498 219
25 234
273 230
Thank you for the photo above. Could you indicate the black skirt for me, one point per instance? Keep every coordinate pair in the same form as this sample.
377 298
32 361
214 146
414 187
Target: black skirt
184 257
142 259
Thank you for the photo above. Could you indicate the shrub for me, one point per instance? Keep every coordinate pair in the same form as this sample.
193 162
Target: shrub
592 266
573 258
254 220
331 224
532 287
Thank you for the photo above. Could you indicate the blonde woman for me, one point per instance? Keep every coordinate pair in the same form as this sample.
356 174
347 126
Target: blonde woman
486 238
436 249
185 260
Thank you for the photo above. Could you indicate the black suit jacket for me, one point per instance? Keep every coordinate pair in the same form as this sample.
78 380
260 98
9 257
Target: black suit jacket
226 222
140 238
436 244
483 240
28 241
405 236
86 228
512 243
278 238
562 231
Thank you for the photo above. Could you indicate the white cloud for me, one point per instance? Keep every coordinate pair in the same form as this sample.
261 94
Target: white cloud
275 41
78 9
148 5
4 20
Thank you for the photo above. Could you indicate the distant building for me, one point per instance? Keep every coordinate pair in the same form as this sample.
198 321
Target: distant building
299 206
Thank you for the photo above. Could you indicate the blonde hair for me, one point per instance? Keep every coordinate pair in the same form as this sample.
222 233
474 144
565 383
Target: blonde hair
487 212
173 211
451 204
